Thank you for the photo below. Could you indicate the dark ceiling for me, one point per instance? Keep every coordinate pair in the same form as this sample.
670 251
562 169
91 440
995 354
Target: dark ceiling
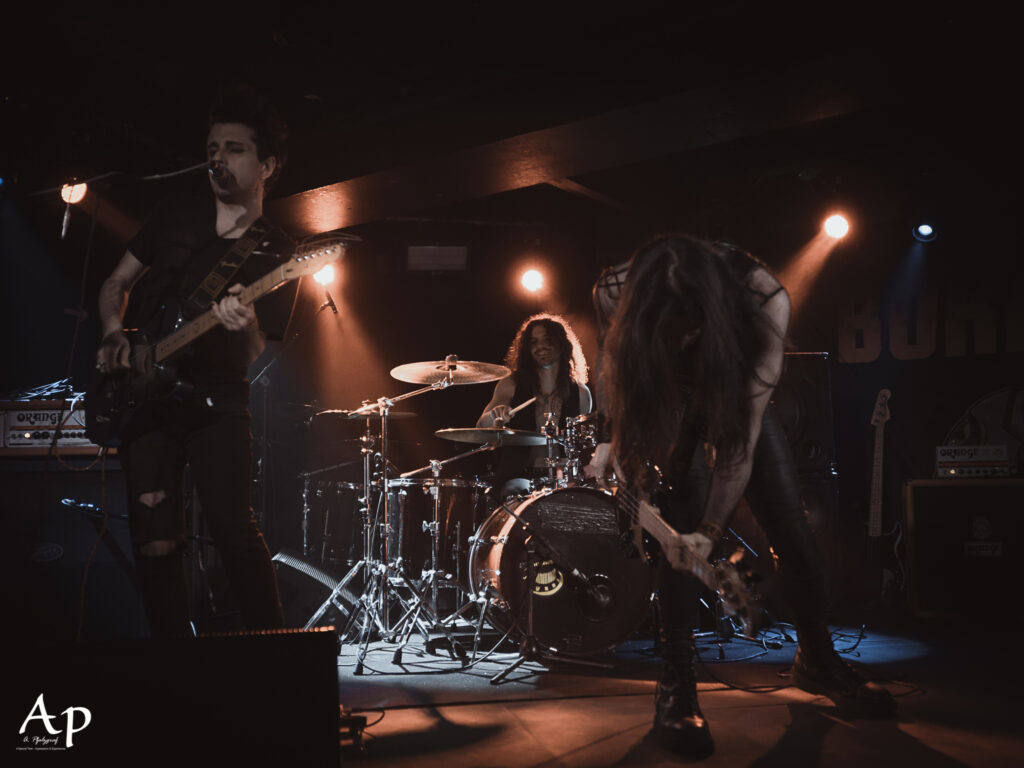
666 114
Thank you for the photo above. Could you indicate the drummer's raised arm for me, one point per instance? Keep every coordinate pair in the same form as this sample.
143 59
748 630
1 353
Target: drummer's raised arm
501 400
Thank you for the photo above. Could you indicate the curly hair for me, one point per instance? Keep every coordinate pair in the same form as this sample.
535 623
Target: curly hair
687 333
572 365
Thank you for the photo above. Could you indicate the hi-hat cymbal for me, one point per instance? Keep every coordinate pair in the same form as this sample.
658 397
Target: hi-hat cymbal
480 435
457 371
352 415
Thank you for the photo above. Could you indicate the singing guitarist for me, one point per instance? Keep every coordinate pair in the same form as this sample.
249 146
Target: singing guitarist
692 356
188 258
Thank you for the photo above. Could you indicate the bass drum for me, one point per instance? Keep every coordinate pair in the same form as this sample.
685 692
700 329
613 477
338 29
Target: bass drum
580 525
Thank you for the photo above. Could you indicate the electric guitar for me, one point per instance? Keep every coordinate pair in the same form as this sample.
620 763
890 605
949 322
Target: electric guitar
114 401
723 578
878 542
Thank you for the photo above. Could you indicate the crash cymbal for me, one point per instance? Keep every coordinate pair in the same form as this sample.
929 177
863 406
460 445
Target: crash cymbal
480 435
341 415
458 371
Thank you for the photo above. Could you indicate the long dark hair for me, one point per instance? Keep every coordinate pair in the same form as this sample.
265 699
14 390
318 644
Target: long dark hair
572 365
686 334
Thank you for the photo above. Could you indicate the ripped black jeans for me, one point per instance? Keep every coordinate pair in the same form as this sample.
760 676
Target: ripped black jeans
217 445
773 493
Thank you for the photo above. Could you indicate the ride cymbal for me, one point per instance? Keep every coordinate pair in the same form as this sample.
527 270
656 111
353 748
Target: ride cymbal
455 370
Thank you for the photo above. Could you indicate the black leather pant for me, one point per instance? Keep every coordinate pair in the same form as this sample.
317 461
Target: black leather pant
216 444
773 494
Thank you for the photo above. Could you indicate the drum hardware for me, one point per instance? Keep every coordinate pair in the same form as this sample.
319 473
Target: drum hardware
570 619
306 476
383 578
436 574
536 545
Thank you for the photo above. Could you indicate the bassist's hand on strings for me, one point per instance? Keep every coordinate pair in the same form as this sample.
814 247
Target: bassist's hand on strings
114 353
698 542
232 313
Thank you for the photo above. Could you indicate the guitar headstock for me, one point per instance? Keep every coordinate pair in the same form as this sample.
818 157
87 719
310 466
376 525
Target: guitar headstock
311 259
735 582
881 412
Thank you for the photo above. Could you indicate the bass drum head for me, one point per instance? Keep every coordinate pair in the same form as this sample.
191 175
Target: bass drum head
580 527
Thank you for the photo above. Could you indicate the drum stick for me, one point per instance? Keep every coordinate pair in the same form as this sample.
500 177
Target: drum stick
522 405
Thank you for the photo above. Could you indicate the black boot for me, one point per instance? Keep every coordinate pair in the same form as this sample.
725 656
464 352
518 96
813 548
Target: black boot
817 668
679 725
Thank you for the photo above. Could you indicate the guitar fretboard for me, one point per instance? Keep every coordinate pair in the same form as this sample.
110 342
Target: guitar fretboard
196 327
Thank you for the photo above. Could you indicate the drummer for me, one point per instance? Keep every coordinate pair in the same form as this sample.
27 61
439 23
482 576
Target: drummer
547 363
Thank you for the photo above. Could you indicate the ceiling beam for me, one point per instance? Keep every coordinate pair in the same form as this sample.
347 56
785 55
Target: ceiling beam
724 112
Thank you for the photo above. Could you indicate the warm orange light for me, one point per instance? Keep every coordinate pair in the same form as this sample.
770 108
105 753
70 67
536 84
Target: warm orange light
532 280
325 276
836 226
72 193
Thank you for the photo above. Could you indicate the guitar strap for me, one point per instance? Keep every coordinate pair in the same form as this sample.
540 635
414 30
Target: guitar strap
225 269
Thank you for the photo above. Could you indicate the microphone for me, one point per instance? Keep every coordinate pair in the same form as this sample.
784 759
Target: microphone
217 170
329 303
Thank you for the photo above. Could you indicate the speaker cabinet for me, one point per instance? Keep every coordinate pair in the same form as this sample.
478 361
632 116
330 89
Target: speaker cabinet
52 517
963 545
247 699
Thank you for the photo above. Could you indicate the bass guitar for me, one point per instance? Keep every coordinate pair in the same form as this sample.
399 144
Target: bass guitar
883 546
723 578
114 401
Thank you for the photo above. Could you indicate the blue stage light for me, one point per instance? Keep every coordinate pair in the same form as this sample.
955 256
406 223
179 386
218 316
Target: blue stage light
924 233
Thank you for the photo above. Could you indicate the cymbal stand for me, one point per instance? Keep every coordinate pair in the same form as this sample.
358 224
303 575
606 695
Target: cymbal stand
367 563
382 577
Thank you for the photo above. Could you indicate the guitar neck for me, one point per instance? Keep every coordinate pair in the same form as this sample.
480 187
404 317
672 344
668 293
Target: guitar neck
875 509
192 330
651 521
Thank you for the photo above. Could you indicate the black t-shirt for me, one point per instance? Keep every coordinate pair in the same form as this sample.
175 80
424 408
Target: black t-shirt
179 244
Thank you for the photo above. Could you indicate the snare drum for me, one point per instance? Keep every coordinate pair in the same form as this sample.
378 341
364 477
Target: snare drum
580 524
411 506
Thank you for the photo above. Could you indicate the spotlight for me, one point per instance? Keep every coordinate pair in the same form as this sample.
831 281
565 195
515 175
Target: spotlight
924 233
72 193
532 280
836 226
325 276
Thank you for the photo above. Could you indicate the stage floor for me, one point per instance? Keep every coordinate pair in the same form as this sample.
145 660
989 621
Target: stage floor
956 682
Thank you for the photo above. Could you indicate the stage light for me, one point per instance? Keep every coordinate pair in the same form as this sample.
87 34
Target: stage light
924 233
532 280
836 226
325 276
72 193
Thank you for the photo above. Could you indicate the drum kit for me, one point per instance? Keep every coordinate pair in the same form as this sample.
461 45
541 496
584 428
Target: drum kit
547 567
